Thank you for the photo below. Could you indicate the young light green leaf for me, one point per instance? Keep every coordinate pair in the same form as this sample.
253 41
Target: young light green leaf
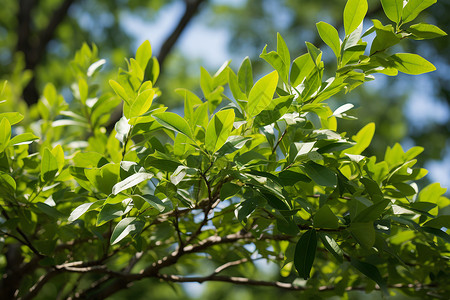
275 60
426 31
24 138
5 134
325 218
354 13
412 9
315 53
130 181
393 9
330 36
142 103
305 252
261 94
219 129
302 66
83 89
191 101
58 153
320 174
174 122
370 271
362 139
7 184
49 165
283 51
13 117
120 91
143 54
412 64
245 76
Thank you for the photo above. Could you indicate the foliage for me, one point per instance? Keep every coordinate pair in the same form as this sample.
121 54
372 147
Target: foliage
162 192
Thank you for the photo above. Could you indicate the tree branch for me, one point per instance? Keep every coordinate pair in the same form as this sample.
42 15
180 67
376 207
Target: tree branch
191 9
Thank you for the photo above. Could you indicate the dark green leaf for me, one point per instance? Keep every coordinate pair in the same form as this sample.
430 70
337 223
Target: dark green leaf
372 272
325 218
320 174
332 246
305 252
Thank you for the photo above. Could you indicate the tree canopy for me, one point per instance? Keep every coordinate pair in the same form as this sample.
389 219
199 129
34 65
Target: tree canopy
252 170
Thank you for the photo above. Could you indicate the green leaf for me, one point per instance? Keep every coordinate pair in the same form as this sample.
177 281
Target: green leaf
142 103
219 129
261 94
325 218
275 60
283 51
364 233
372 212
7 184
411 63
372 189
125 227
89 160
5 134
49 210
112 211
302 66
81 210
245 76
104 178
143 54
130 181
120 91
332 246
154 201
174 122
24 138
13 117
370 271
330 36
83 89
437 232
315 53
274 111
393 9
320 174
191 101
362 139
412 9
49 165
426 31
439 222
354 13
305 252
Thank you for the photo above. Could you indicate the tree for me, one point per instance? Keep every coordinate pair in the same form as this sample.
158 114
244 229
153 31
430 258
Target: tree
86 213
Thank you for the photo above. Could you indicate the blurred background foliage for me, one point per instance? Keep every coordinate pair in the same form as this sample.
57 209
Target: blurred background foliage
38 38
